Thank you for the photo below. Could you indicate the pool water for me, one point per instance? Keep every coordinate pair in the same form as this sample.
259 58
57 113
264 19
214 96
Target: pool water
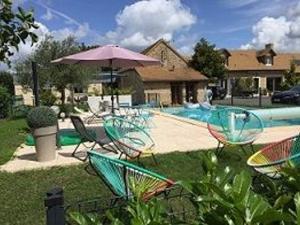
203 115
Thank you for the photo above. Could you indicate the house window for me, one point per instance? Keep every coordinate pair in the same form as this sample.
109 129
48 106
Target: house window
268 60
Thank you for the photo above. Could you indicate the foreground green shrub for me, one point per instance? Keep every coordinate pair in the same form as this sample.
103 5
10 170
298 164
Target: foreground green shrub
5 102
222 196
41 116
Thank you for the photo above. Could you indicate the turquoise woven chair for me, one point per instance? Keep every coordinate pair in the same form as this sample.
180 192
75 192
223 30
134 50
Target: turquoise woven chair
139 115
132 140
234 126
124 178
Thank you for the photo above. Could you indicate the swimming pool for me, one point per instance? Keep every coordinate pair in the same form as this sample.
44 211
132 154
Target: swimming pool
203 115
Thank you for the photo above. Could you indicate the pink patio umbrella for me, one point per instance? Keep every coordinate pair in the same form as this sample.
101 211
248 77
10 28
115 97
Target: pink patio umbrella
111 56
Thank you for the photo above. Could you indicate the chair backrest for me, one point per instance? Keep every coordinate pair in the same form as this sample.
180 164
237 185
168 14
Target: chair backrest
124 178
234 125
94 104
81 129
131 139
271 159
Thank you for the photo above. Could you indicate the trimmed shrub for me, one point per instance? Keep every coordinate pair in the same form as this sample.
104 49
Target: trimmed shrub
48 98
41 117
5 102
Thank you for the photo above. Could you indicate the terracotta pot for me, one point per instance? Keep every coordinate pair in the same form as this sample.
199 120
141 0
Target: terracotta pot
45 143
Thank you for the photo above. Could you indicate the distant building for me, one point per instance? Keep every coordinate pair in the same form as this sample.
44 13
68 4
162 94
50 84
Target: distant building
172 83
93 88
265 66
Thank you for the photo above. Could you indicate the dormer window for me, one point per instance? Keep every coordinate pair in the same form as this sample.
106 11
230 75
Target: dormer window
225 54
268 60
226 61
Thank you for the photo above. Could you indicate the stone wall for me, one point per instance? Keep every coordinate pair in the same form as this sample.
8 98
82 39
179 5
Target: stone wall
170 58
201 89
28 93
133 80
163 89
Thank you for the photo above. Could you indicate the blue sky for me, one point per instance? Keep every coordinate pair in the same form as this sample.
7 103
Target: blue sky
136 24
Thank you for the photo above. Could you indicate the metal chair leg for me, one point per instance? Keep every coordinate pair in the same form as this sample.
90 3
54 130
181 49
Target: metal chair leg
154 159
219 149
73 153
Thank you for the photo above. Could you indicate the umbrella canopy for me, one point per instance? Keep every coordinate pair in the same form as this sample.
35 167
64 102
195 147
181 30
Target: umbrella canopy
109 56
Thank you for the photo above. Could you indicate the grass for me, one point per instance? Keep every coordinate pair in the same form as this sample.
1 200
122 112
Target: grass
12 134
22 194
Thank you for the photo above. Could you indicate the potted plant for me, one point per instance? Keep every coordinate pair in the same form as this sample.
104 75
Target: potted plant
43 124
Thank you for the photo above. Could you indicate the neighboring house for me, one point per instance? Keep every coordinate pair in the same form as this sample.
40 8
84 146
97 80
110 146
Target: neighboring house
93 88
265 66
171 83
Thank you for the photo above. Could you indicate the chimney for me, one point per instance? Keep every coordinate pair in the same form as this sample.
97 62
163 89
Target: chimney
269 46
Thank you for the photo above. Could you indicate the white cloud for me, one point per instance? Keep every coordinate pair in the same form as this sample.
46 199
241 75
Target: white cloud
239 3
68 19
143 22
75 28
48 15
282 31
78 32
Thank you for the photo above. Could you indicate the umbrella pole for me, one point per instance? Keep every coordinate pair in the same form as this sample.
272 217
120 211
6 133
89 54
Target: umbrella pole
111 87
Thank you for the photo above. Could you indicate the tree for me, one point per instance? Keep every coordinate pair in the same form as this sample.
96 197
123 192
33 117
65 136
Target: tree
208 60
51 75
15 27
291 78
7 81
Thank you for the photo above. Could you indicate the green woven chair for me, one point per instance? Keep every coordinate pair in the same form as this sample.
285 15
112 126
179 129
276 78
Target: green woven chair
271 159
124 178
131 140
234 126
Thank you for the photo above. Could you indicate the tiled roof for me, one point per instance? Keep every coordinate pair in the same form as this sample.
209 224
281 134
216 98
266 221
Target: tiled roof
157 73
245 60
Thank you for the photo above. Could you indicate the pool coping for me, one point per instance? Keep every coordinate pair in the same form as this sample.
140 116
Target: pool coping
203 124
179 118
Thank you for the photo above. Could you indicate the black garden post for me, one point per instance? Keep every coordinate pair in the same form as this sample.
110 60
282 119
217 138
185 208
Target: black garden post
54 203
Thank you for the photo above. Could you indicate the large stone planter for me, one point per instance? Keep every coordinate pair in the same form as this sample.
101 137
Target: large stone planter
45 143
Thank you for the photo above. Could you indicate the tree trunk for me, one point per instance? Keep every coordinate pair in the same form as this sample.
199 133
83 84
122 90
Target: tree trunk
72 94
63 96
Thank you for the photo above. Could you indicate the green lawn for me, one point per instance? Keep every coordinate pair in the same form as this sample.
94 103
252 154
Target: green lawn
22 194
12 134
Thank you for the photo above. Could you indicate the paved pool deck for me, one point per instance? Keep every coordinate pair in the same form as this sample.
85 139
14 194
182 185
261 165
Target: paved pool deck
170 134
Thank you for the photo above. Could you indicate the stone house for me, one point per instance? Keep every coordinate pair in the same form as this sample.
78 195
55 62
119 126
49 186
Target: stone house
265 66
171 83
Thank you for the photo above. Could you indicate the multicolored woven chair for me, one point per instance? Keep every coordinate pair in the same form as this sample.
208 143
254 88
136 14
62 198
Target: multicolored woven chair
124 178
271 159
132 140
234 126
